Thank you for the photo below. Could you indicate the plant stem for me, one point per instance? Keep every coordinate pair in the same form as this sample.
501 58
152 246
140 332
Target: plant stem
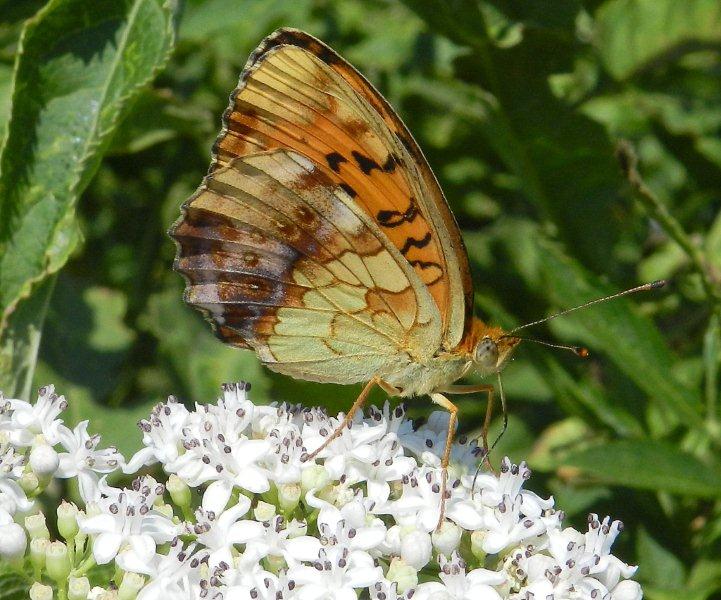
628 161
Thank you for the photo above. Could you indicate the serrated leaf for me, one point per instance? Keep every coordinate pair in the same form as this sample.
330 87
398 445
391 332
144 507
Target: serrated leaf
78 67
634 34
648 465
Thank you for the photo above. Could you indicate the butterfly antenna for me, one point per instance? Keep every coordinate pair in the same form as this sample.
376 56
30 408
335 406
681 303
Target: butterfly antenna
577 350
654 285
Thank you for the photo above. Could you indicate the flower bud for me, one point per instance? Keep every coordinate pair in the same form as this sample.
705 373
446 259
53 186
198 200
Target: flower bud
35 524
57 561
447 538
38 549
314 477
628 590
416 549
275 563
67 520
44 461
164 509
477 539
38 591
288 496
29 482
393 539
130 586
179 491
78 588
264 511
405 576
13 541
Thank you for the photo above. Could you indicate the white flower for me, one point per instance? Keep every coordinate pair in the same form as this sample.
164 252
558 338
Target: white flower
249 581
175 574
351 526
285 460
358 521
335 575
428 442
13 539
218 450
219 533
388 590
162 437
128 523
83 460
44 460
577 566
281 540
416 548
490 489
28 420
420 503
355 442
507 526
456 584
385 464
12 464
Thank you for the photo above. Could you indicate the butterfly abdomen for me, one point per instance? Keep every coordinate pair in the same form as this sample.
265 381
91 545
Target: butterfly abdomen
422 378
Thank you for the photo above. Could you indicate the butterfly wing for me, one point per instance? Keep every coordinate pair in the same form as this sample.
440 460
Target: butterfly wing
283 260
296 93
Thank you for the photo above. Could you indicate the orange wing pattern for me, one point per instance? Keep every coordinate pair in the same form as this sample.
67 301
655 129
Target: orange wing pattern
297 94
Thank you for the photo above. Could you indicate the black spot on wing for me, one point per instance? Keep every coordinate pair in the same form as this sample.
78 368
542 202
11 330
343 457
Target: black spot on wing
390 165
412 242
348 190
394 218
334 160
365 163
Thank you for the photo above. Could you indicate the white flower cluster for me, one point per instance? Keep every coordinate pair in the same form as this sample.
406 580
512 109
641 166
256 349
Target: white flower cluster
244 515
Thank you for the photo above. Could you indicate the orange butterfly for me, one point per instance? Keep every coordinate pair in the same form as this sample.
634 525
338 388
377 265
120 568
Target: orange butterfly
321 239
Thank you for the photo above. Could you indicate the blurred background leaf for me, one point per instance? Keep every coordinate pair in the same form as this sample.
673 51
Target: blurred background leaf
520 107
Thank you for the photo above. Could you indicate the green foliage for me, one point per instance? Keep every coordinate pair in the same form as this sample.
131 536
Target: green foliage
78 66
519 106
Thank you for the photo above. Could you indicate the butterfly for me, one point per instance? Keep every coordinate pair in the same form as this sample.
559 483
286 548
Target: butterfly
321 239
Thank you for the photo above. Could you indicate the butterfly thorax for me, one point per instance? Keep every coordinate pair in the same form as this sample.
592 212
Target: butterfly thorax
485 348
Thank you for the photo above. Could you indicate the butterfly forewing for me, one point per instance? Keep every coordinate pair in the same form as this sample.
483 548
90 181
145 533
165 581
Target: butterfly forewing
296 93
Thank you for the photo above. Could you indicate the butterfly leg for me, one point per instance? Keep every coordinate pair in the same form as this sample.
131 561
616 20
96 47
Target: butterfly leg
359 402
441 400
471 389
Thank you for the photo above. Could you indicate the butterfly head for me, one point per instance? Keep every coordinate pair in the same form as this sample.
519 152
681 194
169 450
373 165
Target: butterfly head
492 349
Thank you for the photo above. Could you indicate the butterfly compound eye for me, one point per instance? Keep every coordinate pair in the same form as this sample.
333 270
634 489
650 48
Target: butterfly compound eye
486 354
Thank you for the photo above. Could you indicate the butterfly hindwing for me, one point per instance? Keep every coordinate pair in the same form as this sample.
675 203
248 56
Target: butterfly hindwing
283 261
298 94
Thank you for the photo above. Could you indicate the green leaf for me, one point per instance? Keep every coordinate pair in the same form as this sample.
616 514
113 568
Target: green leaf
648 465
635 34
13 586
78 67
91 321
656 565
5 85
21 341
